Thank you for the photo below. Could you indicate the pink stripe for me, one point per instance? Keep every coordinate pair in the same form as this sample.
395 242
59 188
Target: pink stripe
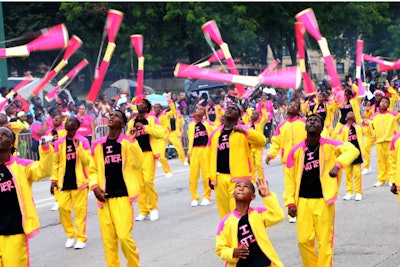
222 222
33 234
330 201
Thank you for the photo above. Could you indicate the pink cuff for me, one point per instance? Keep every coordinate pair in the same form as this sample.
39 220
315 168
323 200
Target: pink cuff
338 165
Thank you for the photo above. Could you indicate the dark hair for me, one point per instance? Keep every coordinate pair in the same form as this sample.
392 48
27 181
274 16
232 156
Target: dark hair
318 116
148 104
237 107
349 92
124 118
75 119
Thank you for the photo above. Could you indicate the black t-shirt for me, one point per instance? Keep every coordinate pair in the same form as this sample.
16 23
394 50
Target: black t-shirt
10 212
211 114
142 137
256 258
353 139
115 184
310 186
223 152
346 108
54 133
172 122
70 175
311 105
200 135
321 110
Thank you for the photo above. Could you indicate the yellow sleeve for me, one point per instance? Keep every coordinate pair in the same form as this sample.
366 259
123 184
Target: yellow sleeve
41 169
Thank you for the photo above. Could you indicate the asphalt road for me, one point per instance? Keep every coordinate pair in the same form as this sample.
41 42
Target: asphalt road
366 232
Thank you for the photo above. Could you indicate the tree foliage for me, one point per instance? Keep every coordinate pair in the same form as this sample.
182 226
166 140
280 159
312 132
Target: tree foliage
172 30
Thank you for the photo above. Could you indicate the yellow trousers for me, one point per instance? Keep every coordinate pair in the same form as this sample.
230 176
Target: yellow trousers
116 223
315 225
353 179
198 162
163 160
368 144
257 157
177 143
148 197
14 251
382 151
224 194
77 200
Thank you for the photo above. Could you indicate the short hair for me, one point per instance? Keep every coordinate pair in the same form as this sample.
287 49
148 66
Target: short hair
75 120
318 116
253 189
124 118
148 104
237 107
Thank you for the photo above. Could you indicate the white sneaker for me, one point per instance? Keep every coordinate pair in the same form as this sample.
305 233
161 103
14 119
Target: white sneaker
70 243
185 163
292 219
366 171
348 196
169 174
194 203
80 245
159 164
377 184
358 197
55 206
141 217
205 202
153 215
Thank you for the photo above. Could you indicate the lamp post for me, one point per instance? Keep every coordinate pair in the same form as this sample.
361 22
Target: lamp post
3 61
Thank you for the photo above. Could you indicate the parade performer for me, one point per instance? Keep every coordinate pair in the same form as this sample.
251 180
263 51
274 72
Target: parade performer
323 107
242 239
57 131
162 117
20 221
353 133
199 130
289 132
148 129
230 158
312 188
113 172
258 123
175 127
385 127
350 103
70 164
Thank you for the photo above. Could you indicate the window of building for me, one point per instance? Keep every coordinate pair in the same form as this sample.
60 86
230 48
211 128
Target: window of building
340 68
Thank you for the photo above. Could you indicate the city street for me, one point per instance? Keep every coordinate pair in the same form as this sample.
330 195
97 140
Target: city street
366 232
